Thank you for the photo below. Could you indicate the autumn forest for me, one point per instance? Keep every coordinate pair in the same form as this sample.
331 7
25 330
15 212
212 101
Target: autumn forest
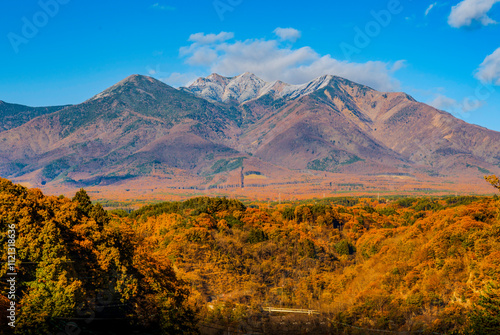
346 265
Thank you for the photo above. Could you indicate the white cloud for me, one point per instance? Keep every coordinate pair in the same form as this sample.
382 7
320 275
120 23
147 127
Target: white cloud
202 38
457 108
201 56
428 10
161 7
271 60
468 12
180 79
489 70
288 34
443 102
398 65
175 79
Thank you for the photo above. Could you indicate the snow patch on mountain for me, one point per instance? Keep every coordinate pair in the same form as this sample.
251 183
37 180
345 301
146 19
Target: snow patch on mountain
248 86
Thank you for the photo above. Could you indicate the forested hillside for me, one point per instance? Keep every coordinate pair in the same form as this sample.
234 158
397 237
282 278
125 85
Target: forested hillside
418 265
77 269
411 265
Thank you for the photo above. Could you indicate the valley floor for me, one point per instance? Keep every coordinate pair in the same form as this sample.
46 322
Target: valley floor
136 192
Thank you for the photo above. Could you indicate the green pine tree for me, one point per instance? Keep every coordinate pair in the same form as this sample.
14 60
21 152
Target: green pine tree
83 200
485 317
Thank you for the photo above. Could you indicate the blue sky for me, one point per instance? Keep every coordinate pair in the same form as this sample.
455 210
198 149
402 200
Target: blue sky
445 53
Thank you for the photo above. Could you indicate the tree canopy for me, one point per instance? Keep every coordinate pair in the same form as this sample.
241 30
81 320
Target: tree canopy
422 265
75 263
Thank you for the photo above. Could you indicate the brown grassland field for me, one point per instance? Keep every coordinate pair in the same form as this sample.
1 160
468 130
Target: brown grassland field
274 186
360 262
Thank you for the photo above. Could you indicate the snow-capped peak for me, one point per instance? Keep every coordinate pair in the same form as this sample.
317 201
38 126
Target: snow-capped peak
248 86
243 88
296 91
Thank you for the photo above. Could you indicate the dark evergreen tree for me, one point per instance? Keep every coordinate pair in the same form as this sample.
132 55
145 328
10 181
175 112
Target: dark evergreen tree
83 200
485 317
99 215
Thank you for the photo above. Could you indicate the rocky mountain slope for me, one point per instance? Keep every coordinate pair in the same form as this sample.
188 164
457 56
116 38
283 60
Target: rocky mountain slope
332 121
119 133
141 126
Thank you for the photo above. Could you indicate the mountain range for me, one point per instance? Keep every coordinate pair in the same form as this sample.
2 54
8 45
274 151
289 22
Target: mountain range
222 130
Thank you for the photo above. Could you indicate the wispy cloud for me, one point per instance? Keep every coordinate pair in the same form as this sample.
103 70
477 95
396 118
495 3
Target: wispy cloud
428 10
288 34
203 38
177 79
443 102
489 70
457 108
469 12
273 60
159 6
172 78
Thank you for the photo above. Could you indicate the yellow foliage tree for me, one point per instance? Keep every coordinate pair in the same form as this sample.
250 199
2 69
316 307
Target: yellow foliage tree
493 180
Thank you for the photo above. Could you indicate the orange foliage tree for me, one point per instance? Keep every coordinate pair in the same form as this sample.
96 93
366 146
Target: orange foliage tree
493 180
71 254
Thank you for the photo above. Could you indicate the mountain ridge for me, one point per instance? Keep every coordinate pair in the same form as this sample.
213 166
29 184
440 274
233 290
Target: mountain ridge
247 86
14 115
141 127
